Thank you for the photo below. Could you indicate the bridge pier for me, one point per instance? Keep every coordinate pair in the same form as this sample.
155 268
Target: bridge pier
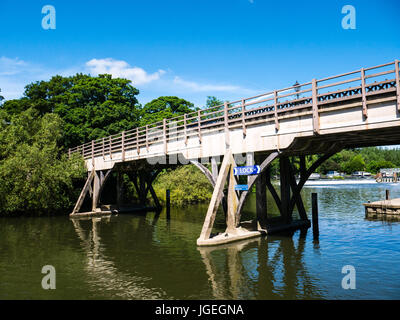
263 224
142 180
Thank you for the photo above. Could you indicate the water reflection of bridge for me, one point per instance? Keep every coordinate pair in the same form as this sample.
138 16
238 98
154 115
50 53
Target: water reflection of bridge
260 268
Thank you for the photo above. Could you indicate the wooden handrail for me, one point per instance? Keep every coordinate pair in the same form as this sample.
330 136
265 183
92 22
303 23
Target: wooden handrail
238 111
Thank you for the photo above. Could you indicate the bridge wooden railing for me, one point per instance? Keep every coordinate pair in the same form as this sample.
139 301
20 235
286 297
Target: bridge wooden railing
310 97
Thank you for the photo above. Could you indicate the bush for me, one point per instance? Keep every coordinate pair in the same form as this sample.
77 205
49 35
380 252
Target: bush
36 177
188 185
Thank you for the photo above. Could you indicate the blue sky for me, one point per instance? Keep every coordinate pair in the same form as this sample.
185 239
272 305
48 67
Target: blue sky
194 48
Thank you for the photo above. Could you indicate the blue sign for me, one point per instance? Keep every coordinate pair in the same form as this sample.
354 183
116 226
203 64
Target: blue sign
245 171
241 187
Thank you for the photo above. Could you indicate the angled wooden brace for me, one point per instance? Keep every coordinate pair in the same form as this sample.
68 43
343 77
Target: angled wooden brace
83 193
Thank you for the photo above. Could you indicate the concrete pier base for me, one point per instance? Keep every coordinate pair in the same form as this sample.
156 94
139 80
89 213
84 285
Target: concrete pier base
246 232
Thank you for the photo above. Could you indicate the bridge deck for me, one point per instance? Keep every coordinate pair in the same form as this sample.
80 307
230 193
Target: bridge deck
358 108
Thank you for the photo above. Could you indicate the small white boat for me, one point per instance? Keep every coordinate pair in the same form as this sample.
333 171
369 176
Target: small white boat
314 176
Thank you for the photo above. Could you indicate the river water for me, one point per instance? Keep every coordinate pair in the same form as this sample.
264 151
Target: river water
145 256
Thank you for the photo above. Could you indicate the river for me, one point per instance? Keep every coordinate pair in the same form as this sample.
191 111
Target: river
145 256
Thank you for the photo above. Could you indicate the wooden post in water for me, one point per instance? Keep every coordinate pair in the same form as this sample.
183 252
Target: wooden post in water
314 201
387 194
168 203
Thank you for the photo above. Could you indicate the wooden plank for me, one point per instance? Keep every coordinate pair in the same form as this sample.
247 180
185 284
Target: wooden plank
363 91
217 196
243 117
315 107
137 141
185 128
226 124
276 110
123 145
199 123
165 135
396 68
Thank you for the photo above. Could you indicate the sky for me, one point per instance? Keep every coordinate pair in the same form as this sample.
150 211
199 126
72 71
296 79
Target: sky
194 48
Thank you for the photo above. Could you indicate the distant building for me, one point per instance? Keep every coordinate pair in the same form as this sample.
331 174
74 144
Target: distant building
388 175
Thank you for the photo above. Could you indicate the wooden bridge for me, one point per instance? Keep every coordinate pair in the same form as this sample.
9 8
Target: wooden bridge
356 109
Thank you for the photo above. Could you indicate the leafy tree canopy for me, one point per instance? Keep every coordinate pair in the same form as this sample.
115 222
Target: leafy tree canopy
164 107
212 102
91 107
33 176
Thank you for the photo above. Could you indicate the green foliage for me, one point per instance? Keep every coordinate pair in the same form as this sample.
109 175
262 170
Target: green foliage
164 108
371 159
187 184
91 107
212 102
374 166
33 176
357 163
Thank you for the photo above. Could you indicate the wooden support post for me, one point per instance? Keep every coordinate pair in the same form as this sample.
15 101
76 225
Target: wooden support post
155 198
244 117
165 135
233 202
276 110
199 123
142 188
96 189
185 128
83 193
364 95
109 147
314 201
102 148
226 124
120 190
315 107
249 162
272 190
216 196
123 145
261 200
396 68
214 168
168 203
92 155
137 141
285 189
387 194
147 138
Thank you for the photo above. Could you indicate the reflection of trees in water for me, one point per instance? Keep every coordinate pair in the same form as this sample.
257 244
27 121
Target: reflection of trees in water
260 269
103 274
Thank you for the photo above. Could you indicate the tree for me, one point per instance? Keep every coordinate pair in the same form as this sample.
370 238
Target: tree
164 107
357 163
34 178
375 166
91 107
212 102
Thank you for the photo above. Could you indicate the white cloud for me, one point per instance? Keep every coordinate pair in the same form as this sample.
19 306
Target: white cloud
10 67
196 87
121 69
